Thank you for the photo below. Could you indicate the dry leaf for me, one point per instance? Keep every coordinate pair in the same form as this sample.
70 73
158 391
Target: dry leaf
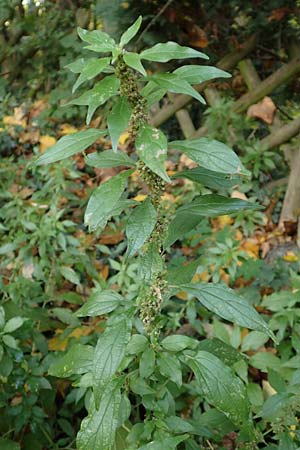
264 110
185 161
46 142
198 37
238 194
290 257
66 128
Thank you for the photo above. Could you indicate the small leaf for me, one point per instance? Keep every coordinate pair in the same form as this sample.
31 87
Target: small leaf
131 32
69 145
91 69
118 120
137 344
69 274
196 74
221 387
172 83
169 366
170 50
151 145
147 363
103 201
227 304
177 343
133 60
109 158
210 154
100 303
13 324
77 360
209 178
9 341
140 225
98 40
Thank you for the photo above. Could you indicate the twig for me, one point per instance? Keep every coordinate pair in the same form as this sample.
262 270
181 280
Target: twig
160 12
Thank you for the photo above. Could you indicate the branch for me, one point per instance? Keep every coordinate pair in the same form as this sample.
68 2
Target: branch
281 135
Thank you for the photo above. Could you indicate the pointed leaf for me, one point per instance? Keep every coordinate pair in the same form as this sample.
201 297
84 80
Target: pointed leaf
109 158
177 343
133 60
196 74
100 303
170 367
118 120
147 363
166 443
131 32
211 154
173 83
103 201
69 145
140 225
98 40
220 387
170 50
209 178
227 304
153 93
151 145
13 324
91 69
77 360
151 263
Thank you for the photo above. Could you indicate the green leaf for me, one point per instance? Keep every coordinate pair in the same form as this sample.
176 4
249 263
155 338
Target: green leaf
98 430
98 40
170 50
97 96
2 317
151 145
77 360
224 352
131 32
69 274
170 367
177 343
196 74
118 120
167 443
76 66
9 341
7 444
69 145
172 83
212 205
209 178
109 158
210 154
147 363
137 344
152 93
182 274
140 225
151 263
133 60
91 69
224 302
109 352
220 386
13 324
100 303
103 201
253 340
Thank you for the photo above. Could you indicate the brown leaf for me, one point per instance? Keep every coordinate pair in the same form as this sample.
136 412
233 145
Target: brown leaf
198 37
264 110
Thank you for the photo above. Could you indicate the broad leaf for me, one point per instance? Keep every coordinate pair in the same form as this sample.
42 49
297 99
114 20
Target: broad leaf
91 69
210 154
133 60
77 360
227 304
118 120
98 429
131 32
109 352
224 352
109 158
137 344
151 263
97 96
140 225
147 363
153 93
170 367
98 40
177 343
209 178
69 145
152 145
7 444
166 443
103 201
195 74
212 205
170 50
172 83
220 386
100 303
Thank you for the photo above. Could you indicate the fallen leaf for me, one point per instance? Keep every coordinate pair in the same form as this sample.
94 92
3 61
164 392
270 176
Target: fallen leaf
46 142
278 14
140 198
290 257
238 194
198 37
66 129
264 110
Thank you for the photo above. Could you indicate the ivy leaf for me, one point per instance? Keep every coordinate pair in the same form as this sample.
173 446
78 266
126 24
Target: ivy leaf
91 69
77 360
103 201
170 367
224 302
196 74
212 205
118 120
98 40
170 50
109 352
97 96
100 303
98 429
173 83
209 178
151 145
211 154
69 145
109 158
140 225
133 60
131 32
220 386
